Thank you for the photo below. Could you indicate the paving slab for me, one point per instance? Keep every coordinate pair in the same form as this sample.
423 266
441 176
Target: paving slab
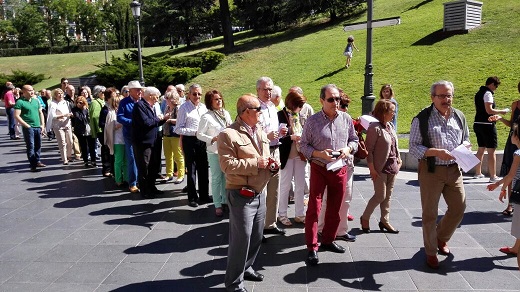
67 228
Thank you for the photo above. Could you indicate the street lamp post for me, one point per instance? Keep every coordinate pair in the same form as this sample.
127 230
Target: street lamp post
368 98
104 33
136 11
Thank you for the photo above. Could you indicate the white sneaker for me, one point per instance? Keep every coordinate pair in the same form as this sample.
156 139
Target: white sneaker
477 176
494 179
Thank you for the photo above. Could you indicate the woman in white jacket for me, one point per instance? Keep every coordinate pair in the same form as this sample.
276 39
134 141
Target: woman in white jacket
211 124
58 120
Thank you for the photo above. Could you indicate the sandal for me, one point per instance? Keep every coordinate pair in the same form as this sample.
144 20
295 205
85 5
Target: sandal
508 211
299 219
507 251
284 220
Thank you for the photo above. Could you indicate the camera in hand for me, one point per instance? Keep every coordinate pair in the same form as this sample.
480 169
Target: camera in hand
335 154
273 165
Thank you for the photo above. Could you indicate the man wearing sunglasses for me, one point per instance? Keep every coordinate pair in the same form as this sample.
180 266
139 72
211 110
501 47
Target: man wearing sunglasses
195 155
328 136
244 158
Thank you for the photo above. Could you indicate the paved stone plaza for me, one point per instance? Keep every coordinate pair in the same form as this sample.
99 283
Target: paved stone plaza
67 228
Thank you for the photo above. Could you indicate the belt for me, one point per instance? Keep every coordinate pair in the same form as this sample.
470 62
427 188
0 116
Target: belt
447 165
319 163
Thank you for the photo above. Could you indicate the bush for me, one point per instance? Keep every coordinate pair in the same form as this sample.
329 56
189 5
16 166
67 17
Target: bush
158 71
20 78
210 60
118 73
54 50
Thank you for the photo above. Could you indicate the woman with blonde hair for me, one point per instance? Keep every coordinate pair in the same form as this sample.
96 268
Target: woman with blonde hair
171 141
115 141
58 121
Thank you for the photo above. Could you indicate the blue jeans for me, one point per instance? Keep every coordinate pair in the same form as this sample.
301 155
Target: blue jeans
33 143
11 122
130 162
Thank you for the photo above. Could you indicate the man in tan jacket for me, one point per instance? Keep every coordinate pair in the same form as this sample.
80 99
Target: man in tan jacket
244 158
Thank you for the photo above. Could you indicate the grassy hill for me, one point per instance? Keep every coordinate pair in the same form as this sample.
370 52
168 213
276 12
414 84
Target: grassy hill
410 56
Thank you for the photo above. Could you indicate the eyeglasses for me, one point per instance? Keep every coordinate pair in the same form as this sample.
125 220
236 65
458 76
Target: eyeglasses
332 99
267 89
258 109
126 91
443 96
196 94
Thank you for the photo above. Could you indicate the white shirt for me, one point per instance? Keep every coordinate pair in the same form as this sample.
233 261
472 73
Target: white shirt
269 119
488 97
57 109
188 118
210 126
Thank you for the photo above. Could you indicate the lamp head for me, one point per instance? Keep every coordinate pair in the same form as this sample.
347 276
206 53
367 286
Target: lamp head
104 32
136 9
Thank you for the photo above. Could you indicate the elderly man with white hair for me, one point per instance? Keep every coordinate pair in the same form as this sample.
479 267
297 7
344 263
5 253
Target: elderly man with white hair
144 132
276 98
181 91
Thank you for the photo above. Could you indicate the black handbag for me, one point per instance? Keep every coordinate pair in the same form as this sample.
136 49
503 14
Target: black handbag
515 194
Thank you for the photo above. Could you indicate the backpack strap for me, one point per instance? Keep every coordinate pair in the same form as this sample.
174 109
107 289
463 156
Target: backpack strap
423 117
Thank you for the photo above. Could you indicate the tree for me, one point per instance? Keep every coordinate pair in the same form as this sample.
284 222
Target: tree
120 21
31 27
187 15
227 31
88 20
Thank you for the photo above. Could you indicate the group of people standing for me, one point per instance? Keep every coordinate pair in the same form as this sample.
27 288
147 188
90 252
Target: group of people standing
273 146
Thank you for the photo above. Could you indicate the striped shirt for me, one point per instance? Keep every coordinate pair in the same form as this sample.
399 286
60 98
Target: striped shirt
443 133
320 133
188 118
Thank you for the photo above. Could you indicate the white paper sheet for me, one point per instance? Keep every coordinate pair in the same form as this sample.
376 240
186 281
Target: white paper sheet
336 164
366 120
465 158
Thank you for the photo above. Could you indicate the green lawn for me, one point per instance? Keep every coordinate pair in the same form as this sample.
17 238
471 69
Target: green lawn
64 65
410 56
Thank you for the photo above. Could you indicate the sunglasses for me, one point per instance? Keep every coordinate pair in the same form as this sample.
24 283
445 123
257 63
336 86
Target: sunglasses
258 109
332 99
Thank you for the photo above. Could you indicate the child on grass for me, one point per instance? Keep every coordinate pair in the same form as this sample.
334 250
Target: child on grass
512 176
349 49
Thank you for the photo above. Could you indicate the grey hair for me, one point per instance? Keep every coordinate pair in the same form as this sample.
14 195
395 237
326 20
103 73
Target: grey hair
180 87
151 91
195 85
172 94
277 91
98 89
325 88
442 83
263 80
124 88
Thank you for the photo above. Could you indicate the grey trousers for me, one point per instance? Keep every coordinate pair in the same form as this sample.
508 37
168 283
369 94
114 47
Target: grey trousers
246 225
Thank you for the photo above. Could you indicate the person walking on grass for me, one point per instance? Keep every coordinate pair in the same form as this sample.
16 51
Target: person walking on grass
349 49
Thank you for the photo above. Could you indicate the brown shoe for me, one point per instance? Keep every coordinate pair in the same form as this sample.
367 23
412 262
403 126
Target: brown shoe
134 189
39 164
432 261
443 247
